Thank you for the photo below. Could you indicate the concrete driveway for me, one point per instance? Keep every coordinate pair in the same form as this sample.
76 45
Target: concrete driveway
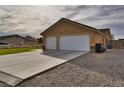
15 68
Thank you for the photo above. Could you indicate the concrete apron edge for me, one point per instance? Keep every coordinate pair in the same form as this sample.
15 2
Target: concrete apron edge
9 79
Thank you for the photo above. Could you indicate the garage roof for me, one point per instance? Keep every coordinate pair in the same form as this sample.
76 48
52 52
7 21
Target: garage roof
75 23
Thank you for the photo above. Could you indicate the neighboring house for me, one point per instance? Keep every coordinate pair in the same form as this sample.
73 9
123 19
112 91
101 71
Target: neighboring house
69 35
119 44
17 41
4 45
108 34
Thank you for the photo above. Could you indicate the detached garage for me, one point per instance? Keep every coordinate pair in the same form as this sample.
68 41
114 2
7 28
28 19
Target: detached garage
69 35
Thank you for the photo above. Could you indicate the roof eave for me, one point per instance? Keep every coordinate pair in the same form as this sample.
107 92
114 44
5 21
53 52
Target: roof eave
96 30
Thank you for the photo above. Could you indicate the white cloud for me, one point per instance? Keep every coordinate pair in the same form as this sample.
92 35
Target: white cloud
32 20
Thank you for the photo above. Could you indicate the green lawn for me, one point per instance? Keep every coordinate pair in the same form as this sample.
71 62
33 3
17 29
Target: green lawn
16 50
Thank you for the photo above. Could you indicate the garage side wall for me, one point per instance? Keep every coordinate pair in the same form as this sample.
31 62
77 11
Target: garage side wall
66 28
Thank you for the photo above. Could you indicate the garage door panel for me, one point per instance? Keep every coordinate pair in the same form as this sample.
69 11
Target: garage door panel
51 43
74 42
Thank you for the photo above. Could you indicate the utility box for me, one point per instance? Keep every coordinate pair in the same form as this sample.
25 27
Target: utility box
99 48
109 46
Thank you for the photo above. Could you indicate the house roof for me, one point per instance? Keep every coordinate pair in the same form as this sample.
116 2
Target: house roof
121 39
10 36
1 43
76 23
105 31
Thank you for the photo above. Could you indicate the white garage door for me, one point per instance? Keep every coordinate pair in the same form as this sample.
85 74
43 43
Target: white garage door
75 42
51 43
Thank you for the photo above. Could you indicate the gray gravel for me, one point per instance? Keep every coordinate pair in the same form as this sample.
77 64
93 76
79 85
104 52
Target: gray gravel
92 69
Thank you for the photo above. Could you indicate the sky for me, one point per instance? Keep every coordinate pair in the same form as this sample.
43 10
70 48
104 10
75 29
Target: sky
32 20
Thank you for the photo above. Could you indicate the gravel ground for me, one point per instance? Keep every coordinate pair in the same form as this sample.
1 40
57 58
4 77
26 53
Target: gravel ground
89 70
